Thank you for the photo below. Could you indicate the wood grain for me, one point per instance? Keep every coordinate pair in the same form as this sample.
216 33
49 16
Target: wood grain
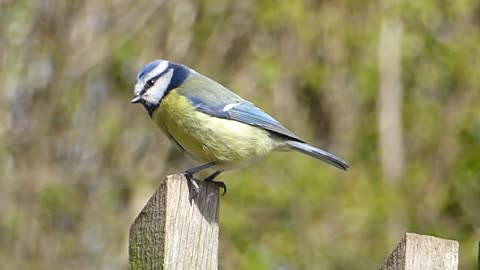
423 252
175 232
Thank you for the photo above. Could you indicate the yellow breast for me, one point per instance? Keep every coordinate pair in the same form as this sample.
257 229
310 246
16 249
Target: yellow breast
208 138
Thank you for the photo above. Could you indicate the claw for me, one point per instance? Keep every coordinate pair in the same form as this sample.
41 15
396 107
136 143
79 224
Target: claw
219 184
193 184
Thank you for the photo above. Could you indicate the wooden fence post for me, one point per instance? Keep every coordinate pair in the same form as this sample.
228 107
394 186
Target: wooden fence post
423 252
175 232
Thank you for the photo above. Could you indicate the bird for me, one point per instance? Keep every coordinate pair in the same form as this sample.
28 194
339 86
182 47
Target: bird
212 124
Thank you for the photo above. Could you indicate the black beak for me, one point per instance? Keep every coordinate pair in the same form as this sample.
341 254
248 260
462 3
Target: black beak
136 99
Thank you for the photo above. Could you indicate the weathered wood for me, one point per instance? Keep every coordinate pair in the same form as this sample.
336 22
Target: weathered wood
422 252
175 232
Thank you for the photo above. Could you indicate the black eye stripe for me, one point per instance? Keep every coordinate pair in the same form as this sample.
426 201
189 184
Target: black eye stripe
180 73
151 82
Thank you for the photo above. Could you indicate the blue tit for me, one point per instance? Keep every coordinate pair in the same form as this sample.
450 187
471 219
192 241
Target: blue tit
212 124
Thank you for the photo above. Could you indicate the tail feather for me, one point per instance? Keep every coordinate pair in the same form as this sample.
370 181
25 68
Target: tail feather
318 154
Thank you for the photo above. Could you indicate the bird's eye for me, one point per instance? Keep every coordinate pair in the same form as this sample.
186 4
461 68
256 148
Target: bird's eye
150 82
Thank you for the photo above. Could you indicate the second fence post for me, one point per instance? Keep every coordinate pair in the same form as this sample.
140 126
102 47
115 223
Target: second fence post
423 252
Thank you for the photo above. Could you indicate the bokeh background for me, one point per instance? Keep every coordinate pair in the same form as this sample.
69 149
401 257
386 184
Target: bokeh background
393 87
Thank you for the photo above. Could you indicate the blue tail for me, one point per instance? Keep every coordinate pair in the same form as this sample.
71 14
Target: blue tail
318 154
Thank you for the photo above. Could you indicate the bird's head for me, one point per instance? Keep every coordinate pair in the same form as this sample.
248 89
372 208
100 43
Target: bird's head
155 80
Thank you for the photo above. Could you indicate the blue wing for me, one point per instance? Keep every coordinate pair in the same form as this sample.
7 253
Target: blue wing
212 98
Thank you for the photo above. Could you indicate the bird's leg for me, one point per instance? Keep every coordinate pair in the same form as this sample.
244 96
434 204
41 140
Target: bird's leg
191 180
218 183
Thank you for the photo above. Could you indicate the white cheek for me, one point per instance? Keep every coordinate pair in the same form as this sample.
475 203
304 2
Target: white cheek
138 88
156 92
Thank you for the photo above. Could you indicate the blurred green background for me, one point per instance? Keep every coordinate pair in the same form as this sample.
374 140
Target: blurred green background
393 87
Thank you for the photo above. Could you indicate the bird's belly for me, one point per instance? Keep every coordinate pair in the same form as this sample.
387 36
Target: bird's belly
210 139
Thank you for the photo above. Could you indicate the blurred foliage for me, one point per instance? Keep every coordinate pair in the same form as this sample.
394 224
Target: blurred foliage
77 160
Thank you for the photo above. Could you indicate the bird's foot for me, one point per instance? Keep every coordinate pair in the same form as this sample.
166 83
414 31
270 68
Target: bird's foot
192 182
194 185
220 184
